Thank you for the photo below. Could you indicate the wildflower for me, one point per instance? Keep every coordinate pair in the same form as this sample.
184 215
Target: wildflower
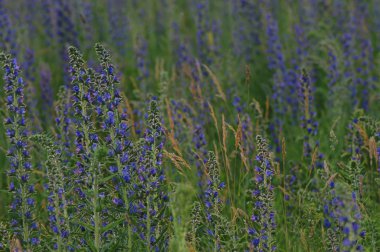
46 88
212 200
119 26
8 38
18 154
342 221
262 218
150 186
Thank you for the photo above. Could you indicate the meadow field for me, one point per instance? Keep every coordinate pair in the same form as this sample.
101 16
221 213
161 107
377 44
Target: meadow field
190 125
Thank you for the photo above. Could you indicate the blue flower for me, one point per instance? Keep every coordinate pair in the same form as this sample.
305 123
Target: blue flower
113 168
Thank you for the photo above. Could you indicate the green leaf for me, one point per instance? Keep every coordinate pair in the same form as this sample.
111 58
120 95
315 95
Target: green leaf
103 180
86 225
112 225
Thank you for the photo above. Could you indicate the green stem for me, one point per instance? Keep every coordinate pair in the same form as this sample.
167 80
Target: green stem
65 212
148 223
216 214
125 199
129 237
24 223
56 203
96 212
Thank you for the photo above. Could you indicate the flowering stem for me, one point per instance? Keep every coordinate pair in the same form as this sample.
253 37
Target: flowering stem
111 106
18 153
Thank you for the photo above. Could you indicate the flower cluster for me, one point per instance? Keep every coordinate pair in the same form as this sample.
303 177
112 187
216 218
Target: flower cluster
115 129
308 121
8 40
87 105
151 198
262 225
119 26
21 187
342 219
212 200
57 195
